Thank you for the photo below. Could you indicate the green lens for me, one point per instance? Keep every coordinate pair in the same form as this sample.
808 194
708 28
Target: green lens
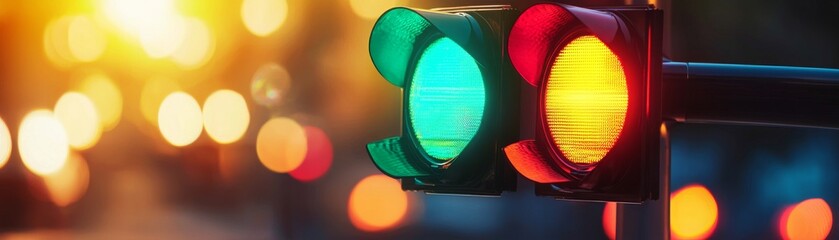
446 99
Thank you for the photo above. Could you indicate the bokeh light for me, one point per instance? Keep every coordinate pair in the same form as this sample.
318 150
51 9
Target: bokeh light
263 17
5 143
179 119
198 47
78 115
69 184
281 145
226 116
610 219
42 142
318 157
106 97
810 219
372 9
85 39
133 16
783 219
693 213
270 84
56 42
154 91
162 41
157 23
377 203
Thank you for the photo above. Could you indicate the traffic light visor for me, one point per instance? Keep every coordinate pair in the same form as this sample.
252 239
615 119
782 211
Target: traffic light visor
400 32
389 156
541 28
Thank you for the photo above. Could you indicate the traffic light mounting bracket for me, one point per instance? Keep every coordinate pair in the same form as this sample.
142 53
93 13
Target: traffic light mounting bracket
751 94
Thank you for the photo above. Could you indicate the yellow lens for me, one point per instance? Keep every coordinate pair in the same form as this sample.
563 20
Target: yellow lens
586 100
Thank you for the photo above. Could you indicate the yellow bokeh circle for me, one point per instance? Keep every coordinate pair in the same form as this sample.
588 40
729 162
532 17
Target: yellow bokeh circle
180 119
198 46
263 17
5 143
85 39
106 96
42 142
78 115
70 183
693 213
226 116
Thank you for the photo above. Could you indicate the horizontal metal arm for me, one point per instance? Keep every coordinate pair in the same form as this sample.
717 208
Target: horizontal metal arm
751 94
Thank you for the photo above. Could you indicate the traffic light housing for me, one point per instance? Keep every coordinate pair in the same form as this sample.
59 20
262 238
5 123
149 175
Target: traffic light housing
598 77
459 90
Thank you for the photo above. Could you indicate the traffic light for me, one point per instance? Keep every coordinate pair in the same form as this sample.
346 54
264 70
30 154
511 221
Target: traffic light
597 74
459 91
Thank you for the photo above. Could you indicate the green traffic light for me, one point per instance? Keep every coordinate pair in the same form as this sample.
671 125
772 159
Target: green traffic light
446 99
452 86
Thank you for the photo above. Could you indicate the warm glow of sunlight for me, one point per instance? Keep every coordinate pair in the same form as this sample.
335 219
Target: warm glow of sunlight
198 47
162 41
157 23
133 16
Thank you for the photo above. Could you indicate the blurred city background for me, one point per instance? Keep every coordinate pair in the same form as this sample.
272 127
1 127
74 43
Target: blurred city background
159 119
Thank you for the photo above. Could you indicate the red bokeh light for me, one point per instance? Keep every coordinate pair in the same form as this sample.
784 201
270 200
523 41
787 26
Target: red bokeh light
318 157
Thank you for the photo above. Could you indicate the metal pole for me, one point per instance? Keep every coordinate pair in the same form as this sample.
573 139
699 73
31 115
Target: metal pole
650 220
751 94
664 180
